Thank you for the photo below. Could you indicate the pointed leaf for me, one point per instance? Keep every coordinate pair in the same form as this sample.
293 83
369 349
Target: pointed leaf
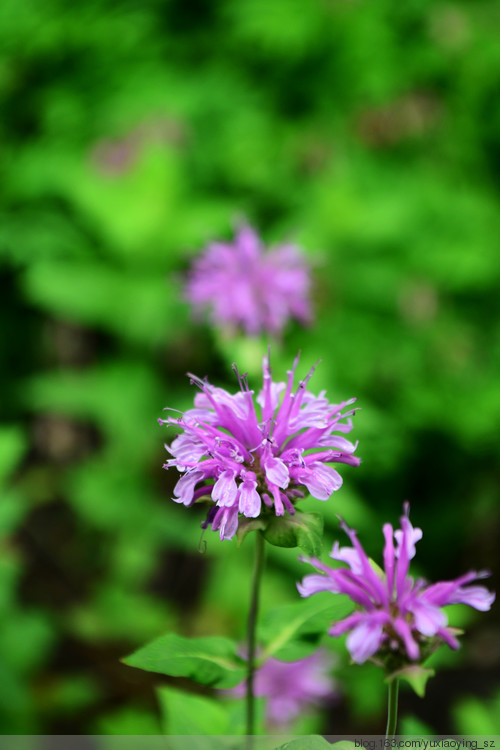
304 530
286 625
186 713
308 742
210 661
414 675
246 525
211 724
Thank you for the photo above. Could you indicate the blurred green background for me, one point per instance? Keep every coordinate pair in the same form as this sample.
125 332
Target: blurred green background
133 133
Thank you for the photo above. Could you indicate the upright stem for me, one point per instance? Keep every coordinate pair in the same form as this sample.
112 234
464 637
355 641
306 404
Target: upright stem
392 709
252 621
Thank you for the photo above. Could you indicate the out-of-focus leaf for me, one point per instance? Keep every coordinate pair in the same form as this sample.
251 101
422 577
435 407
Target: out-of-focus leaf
475 716
131 304
10 570
312 742
117 612
130 720
12 510
12 446
187 713
413 725
307 617
123 400
132 208
71 694
25 640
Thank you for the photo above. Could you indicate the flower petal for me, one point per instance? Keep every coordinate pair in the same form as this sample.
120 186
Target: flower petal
407 536
448 638
321 480
475 596
404 631
428 619
314 583
249 500
184 489
365 639
225 490
349 556
277 472
348 623
229 523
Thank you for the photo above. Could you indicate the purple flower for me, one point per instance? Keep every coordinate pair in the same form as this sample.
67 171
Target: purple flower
395 617
245 287
292 687
254 456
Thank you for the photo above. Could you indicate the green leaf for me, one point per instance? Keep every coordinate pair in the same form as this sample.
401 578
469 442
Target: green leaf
26 638
304 530
414 725
311 742
414 675
210 661
237 712
284 625
132 212
246 525
12 510
12 445
476 715
186 713
9 574
133 304
129 720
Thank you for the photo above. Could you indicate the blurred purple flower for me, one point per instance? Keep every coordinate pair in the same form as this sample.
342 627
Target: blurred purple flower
242 459
396 616
292 687
244 286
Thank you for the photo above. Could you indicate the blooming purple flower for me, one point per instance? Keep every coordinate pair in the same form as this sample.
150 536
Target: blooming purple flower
395 615
292 687
255 456
245 287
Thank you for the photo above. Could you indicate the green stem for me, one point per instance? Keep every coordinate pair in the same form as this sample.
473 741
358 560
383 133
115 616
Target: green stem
392 709
252 622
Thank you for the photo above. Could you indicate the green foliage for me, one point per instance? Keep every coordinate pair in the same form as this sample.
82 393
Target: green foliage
210 661
135 305
476 716
304 530
12 446
129 721
186 713
415 675
314 742
132 135
412 725
283 628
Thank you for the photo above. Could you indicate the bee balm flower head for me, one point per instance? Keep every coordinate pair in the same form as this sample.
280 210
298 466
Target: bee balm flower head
396 618
245 287
254 456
